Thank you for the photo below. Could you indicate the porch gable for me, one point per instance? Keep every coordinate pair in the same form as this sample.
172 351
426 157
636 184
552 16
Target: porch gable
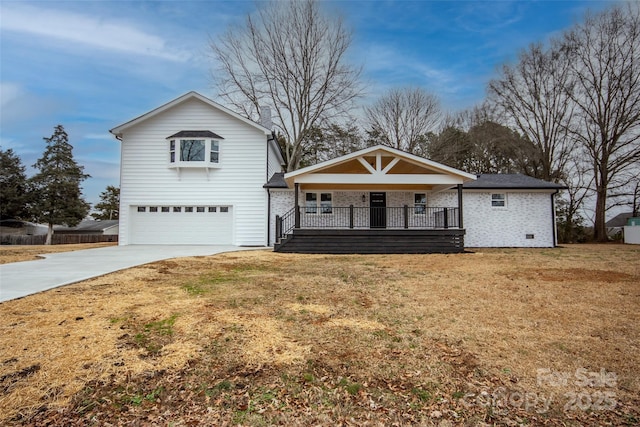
379 166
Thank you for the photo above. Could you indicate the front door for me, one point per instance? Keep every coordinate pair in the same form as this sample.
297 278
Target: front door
378 210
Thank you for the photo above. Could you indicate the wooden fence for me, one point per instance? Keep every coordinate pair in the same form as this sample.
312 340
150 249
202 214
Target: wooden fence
58 239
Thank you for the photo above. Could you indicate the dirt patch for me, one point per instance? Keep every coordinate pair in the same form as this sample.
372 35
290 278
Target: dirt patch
259 338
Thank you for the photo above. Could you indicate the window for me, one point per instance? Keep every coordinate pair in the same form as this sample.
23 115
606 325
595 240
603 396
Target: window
499 200
192 150
212 209
177 209
165 209
325 203
311 203
214 154
224 209
153 209
172 150
420 203
188 209
142 209
200 209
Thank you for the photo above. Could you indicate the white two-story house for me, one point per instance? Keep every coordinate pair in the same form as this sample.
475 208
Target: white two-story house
192 173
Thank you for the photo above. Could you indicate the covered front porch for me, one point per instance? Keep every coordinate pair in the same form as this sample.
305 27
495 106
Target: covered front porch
377 200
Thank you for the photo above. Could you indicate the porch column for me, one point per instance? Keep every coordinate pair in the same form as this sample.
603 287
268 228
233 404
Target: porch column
296 213
460 224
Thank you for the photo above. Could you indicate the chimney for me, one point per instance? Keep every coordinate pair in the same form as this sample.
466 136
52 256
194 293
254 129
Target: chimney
265 117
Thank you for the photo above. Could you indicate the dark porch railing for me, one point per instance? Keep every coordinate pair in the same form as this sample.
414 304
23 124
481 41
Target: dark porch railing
285 223
404 217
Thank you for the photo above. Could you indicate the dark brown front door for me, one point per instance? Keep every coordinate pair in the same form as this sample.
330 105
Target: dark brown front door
378 210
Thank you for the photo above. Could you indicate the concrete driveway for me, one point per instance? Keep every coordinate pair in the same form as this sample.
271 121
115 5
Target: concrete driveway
20 279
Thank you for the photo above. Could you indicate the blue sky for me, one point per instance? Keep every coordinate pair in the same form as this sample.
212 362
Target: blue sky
92 65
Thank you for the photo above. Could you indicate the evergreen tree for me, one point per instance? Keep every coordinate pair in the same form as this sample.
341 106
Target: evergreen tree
56 187
13 186
109 205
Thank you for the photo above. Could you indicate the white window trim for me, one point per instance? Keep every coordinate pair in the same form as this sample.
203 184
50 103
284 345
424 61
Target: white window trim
504 200
206 163
318 207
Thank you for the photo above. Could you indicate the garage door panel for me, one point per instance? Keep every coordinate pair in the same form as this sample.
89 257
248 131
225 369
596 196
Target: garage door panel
211 227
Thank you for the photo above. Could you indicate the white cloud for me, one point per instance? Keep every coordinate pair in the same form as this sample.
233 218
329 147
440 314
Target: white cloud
8 93
100 136
86 30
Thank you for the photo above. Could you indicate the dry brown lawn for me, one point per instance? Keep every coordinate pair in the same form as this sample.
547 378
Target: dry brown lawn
17 253
495 337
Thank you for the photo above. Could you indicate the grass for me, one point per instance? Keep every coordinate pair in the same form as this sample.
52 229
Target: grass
259 338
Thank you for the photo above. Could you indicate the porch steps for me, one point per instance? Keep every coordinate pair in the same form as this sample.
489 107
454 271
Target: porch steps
372 241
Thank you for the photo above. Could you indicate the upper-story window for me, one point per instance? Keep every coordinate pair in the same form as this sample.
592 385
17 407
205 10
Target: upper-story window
194 148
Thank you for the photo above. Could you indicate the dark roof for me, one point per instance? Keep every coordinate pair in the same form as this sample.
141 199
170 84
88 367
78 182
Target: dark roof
91 225
276 181
196 134
484 181
510 181
619 220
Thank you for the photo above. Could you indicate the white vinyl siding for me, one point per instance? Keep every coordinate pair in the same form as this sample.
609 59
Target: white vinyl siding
146 180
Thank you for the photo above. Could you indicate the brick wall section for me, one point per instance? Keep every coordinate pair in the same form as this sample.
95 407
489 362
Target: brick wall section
486 226
282 201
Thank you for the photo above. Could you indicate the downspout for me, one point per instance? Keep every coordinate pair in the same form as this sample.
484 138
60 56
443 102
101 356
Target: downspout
296 214
266 172
553 218
268 217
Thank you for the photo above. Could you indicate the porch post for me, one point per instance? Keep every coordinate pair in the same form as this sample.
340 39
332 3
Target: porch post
460 224
405 216
350 216
296 213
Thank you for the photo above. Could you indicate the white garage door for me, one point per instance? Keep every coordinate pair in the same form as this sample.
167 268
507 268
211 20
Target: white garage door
181 225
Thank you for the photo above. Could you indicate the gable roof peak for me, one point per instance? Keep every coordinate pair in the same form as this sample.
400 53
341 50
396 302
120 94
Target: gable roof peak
118 130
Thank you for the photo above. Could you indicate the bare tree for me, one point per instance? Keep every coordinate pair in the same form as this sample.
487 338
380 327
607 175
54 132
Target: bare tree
605 61
403 118
578 178
290 56
534 95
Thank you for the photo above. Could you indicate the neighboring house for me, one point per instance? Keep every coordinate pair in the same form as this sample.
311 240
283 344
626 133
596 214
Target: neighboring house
390 201
615 225
194 172
104 227
16 227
